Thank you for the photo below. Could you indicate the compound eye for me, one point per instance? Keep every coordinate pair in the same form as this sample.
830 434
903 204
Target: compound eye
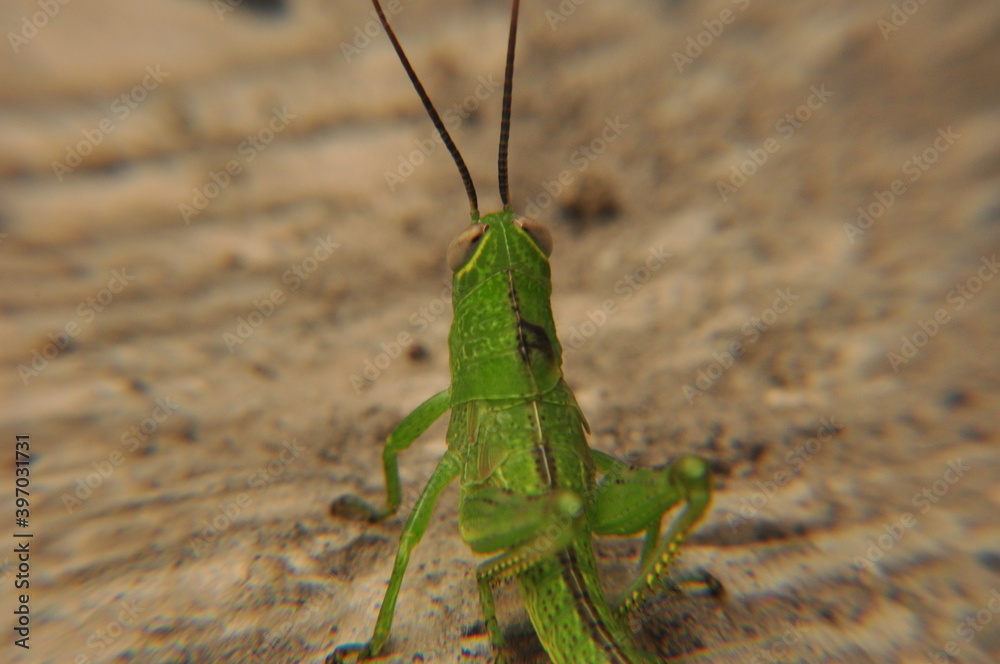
464 245
538 232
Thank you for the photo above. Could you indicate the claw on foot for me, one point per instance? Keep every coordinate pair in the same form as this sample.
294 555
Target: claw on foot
353 508
337 656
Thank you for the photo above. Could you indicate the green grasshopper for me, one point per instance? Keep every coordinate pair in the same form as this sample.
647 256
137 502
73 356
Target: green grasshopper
529 481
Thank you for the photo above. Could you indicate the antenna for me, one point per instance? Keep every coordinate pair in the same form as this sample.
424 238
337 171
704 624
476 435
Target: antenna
470 189
508 85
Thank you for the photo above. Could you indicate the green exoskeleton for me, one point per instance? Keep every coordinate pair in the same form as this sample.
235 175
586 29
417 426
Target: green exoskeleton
532 492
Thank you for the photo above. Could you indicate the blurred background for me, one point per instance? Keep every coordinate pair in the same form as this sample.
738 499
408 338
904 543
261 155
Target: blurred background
222 237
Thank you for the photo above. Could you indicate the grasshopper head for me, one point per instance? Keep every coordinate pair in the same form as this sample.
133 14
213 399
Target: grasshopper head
499 242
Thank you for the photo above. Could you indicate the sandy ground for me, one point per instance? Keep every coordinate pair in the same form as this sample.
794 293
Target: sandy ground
215 222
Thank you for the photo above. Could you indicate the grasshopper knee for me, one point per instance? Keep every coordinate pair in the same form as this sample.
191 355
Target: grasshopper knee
691 470
693 477
567 503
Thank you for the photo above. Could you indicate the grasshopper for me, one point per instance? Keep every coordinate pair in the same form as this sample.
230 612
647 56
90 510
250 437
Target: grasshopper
529 482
